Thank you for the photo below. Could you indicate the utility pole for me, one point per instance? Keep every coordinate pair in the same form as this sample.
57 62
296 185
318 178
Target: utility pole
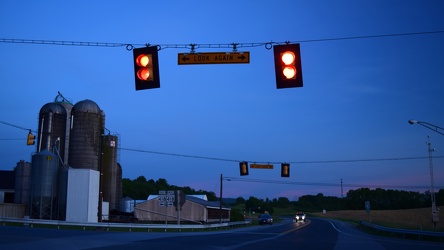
435 215
342 190
220 202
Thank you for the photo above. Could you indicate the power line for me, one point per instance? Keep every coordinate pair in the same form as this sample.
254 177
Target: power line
270 162
251 161
322 184
192 46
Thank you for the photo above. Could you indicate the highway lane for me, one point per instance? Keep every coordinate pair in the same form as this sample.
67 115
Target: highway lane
316 234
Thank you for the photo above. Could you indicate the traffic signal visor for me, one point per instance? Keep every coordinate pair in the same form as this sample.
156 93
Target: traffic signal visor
285 170
288 69
243 168
146 68
31 139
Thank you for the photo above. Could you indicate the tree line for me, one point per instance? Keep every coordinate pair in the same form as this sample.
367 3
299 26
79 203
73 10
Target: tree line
380 199
140 188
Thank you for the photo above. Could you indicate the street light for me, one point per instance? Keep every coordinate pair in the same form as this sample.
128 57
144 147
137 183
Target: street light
435 214
430 126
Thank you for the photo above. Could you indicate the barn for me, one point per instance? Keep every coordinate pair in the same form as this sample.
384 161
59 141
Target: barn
196 209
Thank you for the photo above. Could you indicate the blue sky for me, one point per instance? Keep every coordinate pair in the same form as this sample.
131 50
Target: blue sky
357 97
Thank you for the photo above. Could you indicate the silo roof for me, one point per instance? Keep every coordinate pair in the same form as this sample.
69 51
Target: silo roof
53 107
87 106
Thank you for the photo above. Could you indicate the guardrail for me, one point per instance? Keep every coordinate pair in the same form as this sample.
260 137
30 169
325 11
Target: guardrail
107 225
421 234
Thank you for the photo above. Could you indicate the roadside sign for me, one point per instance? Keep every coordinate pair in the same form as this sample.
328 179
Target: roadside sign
262 166
367 206
166 198
213 58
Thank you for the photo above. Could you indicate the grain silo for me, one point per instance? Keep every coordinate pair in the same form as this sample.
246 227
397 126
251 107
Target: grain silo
43 187
52 128
111 172
87 124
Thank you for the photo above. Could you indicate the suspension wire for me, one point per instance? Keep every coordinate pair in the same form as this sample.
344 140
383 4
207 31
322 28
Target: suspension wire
178 155
321 184
16 126
267 45
66 43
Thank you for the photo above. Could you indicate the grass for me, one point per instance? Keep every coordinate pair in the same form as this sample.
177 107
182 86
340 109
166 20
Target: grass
412 219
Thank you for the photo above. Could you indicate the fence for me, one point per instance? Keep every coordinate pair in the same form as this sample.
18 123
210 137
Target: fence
404 232
129 226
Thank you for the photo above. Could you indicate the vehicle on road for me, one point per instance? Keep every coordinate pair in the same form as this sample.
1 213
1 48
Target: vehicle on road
265 219
300 217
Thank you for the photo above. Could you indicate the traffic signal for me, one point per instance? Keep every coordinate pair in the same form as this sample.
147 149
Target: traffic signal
287 63
243 168
285 170
146 68
31 139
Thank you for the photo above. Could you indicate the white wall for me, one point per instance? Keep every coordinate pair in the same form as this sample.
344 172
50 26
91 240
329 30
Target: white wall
83 195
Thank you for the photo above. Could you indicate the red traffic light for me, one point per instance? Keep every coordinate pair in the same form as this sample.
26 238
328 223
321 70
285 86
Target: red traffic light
288 70
243 168
146 68
285 170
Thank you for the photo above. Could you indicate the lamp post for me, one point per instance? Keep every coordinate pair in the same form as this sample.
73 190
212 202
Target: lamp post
439 130
430 126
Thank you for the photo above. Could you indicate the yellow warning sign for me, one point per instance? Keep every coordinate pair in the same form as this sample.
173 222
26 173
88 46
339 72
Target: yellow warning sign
213 58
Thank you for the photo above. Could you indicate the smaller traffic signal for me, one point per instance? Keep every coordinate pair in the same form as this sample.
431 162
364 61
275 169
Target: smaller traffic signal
243 168
285 170
287 63
146 68
30 141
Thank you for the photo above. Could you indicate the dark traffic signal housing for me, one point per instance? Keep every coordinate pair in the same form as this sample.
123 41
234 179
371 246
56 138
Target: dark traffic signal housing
285 170
146 68
288 68
243 168
30 140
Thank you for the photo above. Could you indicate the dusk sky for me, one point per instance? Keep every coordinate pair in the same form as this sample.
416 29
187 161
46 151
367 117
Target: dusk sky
349 121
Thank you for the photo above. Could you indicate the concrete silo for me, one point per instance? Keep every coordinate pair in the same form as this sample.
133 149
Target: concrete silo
111 173
87 125
52 128
43 186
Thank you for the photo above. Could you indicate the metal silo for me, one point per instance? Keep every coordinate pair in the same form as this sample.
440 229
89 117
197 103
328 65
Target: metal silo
87 123
52 128
43 188
22 182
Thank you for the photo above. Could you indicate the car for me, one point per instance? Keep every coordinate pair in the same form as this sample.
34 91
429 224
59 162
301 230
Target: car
300 217
265 219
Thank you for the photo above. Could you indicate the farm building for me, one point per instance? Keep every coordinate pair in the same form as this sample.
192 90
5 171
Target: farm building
194 210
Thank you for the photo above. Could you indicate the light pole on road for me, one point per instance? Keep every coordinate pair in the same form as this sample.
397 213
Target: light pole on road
439 130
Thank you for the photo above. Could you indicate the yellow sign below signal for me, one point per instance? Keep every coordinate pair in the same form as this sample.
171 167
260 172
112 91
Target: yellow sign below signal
263 166
213 58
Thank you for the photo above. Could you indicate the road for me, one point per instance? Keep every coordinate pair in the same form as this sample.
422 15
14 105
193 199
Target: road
314 234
